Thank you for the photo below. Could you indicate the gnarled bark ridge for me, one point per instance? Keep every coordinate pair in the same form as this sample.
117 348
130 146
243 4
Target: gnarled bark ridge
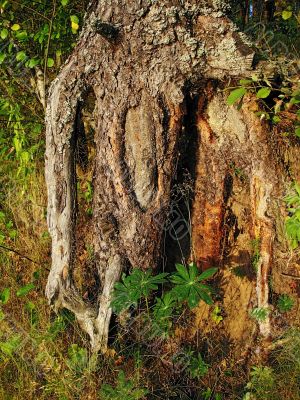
141 59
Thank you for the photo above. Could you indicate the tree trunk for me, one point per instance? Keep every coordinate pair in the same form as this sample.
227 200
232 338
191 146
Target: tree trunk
154 70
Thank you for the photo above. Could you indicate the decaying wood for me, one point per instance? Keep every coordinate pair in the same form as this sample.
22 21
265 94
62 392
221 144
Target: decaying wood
141 72
228 137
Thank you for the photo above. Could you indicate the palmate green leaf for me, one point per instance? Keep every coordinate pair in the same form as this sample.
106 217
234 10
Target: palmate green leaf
207 274
165 304
188 287
133 287
236 95
123 298
206 297
260 313
147 282
182 272
125 390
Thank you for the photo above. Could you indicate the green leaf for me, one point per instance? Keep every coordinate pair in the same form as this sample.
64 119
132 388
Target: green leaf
21 55
74 19
245 82
4 33
64 3
187 286
11 345
207 274
24 290
205 296
276 119
21 36
33 62
4 296
297 131
263 93
285 303
2 57
133 287
235 95
50 62
182 271
286 14
15 27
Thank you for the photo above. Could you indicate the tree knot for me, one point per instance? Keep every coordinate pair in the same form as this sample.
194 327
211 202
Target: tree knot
108 31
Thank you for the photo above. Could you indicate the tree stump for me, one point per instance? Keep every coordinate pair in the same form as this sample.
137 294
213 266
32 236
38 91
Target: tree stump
142 60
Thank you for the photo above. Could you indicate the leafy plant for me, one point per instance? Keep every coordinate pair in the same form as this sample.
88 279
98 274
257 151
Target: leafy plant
61 322
163 311
260 313
10 346
188 284
287 98
125 390
7 228
198 367
77 358
24 290
208 395
285 303
261 383
216 315
292 223
133 287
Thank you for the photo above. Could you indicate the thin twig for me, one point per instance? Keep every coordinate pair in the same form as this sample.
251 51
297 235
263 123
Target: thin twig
31 10
20 254
290 276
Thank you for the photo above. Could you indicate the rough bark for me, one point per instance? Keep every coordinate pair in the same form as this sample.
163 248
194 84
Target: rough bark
142 60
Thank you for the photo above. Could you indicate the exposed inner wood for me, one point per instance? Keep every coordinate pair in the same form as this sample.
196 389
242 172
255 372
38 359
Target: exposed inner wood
227 138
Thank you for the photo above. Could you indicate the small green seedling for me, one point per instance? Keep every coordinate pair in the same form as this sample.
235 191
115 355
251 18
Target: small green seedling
260 313
285 303
188 284
133 287
125 390
198 367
